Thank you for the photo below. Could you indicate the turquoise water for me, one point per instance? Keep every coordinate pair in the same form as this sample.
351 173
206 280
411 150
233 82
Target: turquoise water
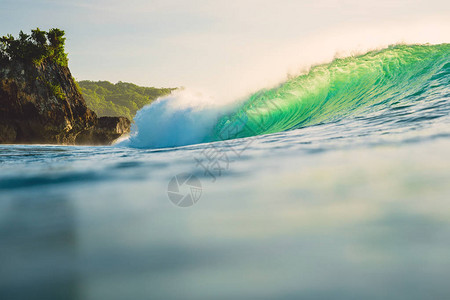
350 204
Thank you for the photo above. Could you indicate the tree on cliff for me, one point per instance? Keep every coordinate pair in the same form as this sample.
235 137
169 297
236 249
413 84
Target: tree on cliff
35 48
57 41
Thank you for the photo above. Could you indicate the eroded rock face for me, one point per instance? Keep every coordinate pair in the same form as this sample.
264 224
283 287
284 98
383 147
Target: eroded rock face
42 104
105 131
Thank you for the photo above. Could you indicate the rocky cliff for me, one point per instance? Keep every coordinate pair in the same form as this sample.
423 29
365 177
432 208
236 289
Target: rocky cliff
41 103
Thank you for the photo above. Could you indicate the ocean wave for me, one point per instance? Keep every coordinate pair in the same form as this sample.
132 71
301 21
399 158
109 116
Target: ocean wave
396 76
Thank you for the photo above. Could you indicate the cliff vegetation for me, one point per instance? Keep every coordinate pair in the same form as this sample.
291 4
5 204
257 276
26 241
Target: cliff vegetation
35 47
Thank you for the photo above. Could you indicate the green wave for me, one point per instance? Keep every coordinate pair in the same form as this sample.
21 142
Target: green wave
341 88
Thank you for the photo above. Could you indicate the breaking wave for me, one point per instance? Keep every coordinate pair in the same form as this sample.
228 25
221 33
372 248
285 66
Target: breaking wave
345 87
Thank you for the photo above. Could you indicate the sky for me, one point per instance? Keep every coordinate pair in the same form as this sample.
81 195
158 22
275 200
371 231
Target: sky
227 48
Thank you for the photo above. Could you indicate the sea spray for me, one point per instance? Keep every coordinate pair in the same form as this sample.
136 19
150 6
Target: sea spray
184 117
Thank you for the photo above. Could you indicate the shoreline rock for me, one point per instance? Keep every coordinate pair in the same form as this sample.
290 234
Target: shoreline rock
106 131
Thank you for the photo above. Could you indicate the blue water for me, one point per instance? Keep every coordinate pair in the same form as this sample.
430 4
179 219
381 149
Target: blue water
351 208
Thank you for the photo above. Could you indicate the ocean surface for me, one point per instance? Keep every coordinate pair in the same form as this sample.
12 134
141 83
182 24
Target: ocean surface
332 185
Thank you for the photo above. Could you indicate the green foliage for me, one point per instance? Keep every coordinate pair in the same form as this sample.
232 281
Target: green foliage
34 48
77 86
56 91
57 41
120 99
39 36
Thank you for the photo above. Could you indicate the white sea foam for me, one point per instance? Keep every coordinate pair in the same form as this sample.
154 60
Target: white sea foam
182 118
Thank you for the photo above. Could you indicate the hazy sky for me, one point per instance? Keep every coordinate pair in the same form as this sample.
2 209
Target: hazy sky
220 45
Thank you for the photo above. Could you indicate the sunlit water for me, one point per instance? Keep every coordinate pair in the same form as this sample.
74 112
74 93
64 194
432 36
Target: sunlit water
354 208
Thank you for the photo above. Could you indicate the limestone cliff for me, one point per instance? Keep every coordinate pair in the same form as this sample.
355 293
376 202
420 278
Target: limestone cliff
41 103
